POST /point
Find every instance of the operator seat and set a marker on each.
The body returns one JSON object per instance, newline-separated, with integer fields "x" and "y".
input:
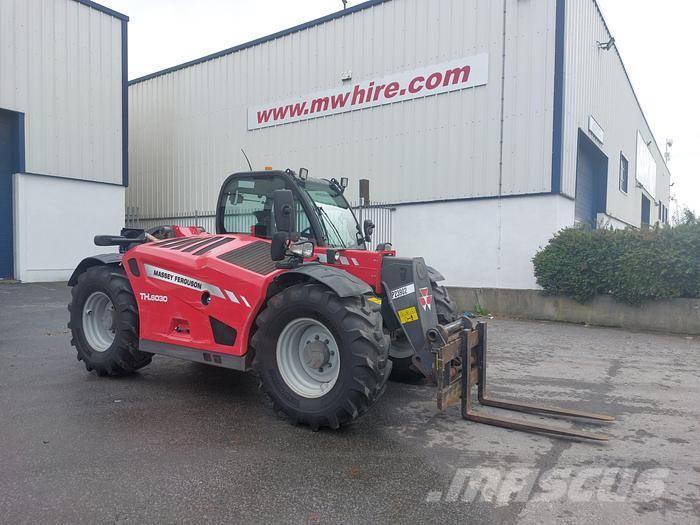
{"x": 264, "y": 222}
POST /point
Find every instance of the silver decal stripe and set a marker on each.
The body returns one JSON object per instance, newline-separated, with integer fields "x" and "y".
{"x": 404, "y": 290}
{"x": 182, "y": 280}
{"x": 237, "y": 298}
{"x": 354, "y": 261}
{"x": 322, "y": 258}
{"x": 232, "y": 296}
{"x": 344, "y": 261}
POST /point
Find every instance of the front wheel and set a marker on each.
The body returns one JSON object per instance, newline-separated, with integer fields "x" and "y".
{"x": 321, "y": 358}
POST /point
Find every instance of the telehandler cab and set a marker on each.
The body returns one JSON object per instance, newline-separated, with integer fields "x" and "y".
{"x": 288, "y": 286}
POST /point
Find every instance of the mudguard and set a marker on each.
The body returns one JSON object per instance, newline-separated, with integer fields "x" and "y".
{"x": 95, "y": 260}
{"x": 340, "y": 281}
{"x": 434, "y": 275}
{"x": 406, "y": 283}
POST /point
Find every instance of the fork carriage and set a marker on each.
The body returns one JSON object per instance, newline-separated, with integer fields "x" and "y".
{"x": 459, "y": 352}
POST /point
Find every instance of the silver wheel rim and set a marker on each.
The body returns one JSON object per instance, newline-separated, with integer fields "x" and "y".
{"x": 98, "y": 321}
{"x": 308, "y": 358}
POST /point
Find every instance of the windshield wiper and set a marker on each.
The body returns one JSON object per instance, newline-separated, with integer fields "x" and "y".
{"x": 335, "y": 230}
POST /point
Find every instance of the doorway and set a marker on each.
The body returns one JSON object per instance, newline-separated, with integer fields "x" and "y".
{"x": 591, "y": 181}
{"x": 11, "y": 161}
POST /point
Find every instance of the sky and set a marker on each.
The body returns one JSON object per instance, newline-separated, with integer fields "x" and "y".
{"x": 654, "y": 37}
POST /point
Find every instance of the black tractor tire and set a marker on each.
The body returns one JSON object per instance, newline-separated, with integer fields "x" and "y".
{"x": 403, "y": 369}
{"x": 122, "y": 357}
{"x": 356, "y": 325}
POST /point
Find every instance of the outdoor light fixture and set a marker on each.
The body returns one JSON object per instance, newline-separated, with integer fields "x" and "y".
{"x": 606, "y": 46}
{"x": 303, "y": 173}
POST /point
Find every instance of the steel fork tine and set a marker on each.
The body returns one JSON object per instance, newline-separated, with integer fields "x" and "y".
{"x": 472, "y": 350}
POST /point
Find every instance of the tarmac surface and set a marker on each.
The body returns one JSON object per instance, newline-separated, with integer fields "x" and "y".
{"x": 182, "y": 442}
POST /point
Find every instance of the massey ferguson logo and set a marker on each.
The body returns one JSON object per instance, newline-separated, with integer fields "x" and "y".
{"x": 425, "y": 299}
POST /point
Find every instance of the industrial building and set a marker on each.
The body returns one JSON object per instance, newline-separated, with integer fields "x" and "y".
{"x": 63, "y": 133}
{"x": 486, "y": 125}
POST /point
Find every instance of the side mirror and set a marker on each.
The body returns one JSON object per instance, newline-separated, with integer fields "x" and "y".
{"x": 368, "y": 228}
{"x": 278, "y": 247}
{"x": 283, "y": 203}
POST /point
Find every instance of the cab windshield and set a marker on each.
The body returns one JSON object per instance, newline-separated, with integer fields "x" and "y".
{"x": 337, "y": 219}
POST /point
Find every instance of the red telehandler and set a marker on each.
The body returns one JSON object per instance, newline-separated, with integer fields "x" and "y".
{"x": 289, "y": 287}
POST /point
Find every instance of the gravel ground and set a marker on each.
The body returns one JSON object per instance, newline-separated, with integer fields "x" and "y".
{"x": 181, "y": 442}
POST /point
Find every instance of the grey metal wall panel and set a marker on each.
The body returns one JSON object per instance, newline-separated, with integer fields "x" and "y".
{"x": 596, "y": 84}
{"x": 61, "y": 65}
{"x": 187, "y": 126}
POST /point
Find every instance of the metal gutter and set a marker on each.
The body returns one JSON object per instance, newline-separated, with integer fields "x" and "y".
{"x": 125, "y": 104}
{"x": 558, "y": 103}
{"x": 103, "y": 9}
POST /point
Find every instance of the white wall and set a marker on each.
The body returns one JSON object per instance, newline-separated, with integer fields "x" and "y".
{"x": 61, "y": 65}
{"x": 482, "y": 243}
{"x": 55, "y": 221}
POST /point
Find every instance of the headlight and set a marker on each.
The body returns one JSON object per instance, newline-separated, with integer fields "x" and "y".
{"x": 302, "y": 249}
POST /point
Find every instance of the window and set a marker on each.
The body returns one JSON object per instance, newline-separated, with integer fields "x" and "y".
{"x": 646, "y": 211}
{"x": 624, "y": 173}
{"x": 337, "y": 219}
{"x": 248, "y": 205}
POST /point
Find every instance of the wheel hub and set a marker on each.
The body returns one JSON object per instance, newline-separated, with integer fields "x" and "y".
{"x": 316, "y": 354}
{"x": 308, "y": 357}
{"x": 99, "y": 319}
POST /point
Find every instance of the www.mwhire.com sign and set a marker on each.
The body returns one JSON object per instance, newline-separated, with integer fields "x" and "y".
{"x": 454, "y": 75}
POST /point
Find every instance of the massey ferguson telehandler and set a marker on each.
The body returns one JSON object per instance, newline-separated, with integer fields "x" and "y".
{"x": 289, "y": 287}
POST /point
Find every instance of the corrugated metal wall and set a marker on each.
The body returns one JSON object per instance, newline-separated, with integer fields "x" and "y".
{"x": 187, "y": 126}
{"x": 596, "y": 85}
{"x": 60, "y": 64}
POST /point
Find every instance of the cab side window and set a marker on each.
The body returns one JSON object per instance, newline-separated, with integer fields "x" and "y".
{"x": 247, "y": 205}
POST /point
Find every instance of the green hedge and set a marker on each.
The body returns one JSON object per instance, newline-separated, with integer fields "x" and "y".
{"x": 631, "y": 265}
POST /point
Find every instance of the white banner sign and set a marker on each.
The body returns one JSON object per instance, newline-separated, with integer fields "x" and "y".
{"x": 646, "y": 166}
{"x": 454, "y": 75}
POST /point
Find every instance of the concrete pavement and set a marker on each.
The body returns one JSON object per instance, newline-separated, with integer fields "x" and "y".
{"x": 181, "y": 442}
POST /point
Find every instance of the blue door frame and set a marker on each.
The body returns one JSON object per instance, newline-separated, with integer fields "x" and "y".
{"x": 11, "y": 161}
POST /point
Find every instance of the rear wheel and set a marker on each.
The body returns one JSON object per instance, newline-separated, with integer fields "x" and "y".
{"x": 104, "y": 322}
{"x": 401, "y": 351}
{"x": 321, "y": 358}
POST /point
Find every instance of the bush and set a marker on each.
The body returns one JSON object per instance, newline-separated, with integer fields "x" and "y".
{"x": 631, "y": 265}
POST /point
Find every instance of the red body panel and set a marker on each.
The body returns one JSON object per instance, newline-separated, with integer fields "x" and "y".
{"x": 171, "y": 283}
{"x": 186, "y": 231}
{"x": 182, "y": 318}
{"x": 363, "y": 264}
